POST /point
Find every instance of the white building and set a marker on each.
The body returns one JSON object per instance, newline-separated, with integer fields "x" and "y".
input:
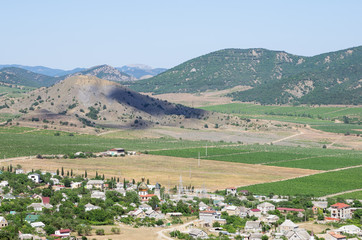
{"x": 90, "y": 207}
{"x": 350, "y": 229}
{"x": 95, "y": 184}
{"x": 265, "y": 207}
{"x": 34, "y": 177}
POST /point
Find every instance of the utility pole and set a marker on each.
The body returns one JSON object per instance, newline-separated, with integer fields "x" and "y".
{"x": 206, "y": 149}
{"x": 198, "y": 161}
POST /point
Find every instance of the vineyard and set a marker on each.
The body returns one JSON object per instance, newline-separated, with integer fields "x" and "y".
{"x": 294, "y": 157}
{"x": 317, "y": 185}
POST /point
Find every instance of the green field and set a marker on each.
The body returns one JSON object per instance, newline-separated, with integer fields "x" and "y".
{"x": 13, "y": 92}
{"x": 321, "y": 118}
{"x": 294, "y": 157}
{"x": 352, "y": 195}
{"x": 318, "y": 185}
{"x": 21, "y": 141}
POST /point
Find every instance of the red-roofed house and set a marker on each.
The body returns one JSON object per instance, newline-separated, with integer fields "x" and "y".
{"x": 330, "y": 219}
{"x": 45, "y": 200}
{"x": 336, "y": 236}
{"x": 62, "y": 233}
{"x": 341, "y": 210}
{"x": 255, "y": 212}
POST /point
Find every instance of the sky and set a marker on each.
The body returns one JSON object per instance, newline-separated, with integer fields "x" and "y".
{"x": 67, "y": 34}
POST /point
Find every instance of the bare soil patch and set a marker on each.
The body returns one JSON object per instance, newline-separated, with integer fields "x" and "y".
{"x": 167, "y": 170}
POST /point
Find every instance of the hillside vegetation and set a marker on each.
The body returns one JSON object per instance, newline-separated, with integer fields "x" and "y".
{"x": 276, "y": 76}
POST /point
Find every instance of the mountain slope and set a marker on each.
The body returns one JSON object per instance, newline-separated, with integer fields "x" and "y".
{"x": 90, "y": 101}
{"x": 53, "y": 72}
{"x": 18, "y": 76}
{"x": 105, "y": 72}
{"x": 141, "y": 71}
{"x": 276, "y": 76}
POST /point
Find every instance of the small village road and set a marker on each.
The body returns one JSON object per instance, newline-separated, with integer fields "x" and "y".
{"x": 340, "y": 193}
{"x": 162, "y": 234}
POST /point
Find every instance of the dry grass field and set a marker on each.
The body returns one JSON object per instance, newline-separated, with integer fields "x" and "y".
{"x": 167, "y": 170}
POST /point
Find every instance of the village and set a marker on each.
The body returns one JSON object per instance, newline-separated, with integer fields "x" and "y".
{"x": 60, "y": 205}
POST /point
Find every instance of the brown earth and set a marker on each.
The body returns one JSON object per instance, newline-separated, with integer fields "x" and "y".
{"x": 167, "y": 170}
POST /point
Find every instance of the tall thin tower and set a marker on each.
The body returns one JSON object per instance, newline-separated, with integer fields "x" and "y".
{"x": 180, "y": 188}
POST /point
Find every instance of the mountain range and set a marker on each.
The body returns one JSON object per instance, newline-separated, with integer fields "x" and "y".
{"x": 135, "y": 71}
{"x": 276, "y": 77}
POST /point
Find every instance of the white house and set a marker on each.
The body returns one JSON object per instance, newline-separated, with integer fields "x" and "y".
{"x": 145, "y": 207}
{"x": 341, "y": 210}
{"x": 298, "y": 234}
{"x": 37, "y": 225}
{"x": 75, "y": 185}
{"x": 287, "y": 226}
{"x": 3, "y": 222}
{"x": 116, "y": 152}
{"x": 19, "y": 171}
{"x": 55, "y": 180}
{"x": 198, "y": 234}
{"x": 231, "y": 190}
{"x": 95, "y": 184}
{"x": 265, "y": 207}
{"x": 34, "y": 177}
{"x": 253, "y": 226}
{"x": 4, "y": 183}
{"x": 90, "y": 207}
{"x": 98, "y": 195}
{"x": 209, "y": 217}
{"x": 63, "y": 233}
{"x": 350, "y": 229}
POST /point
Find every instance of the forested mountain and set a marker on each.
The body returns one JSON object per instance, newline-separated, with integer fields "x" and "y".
{"x": 53, "y": 72}
{"x": 105, "y": 72}
{"x": 276, "y": 76}
{"x": 19, "y": 76}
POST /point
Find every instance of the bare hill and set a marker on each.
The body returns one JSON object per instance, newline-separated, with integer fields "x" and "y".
{"x": 81, "y": 101}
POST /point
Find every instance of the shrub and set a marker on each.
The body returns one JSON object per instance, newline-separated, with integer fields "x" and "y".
{"x": 100, "y": 231}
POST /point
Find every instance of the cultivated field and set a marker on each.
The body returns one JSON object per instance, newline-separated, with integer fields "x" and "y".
{"x": 167, "y": 170}
{"x": 318, "y": 185}
{"x": 321, "y": 118}
{"x": 294, "y": 157}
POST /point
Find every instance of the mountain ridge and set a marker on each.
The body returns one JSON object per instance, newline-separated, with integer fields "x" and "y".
{"x": 300, "y": 78}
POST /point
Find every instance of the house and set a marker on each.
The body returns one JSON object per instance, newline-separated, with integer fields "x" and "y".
{"x": 209, "y": 217}
{"x": 272, "y": 219}
{"x": 203, "y": 206}
{"x": 232, "y": 210}
{"x": 297, "y": 234}
{"x": 98, "y": 195}
{"x": 341, "y": 210}
{"x": 244, "y": 192}
{"x": 19, "y": 171}
{"x": 287, "y": 226}
{"x": 116, "y": 152}
{"x": 350, "y": 229}
{"x": 265, "y": 207}
{"x": 335, "y": 236}
{"x": 90, "y": 207}
{"x": 255, "y": 212}
{"x": 4, "y": 183}
{"x": 62, "y": 233}
{"x": 287, "y": 210}
{"x": 155, "y": 214}
{"x": 30, "y": 218}
{"x": 37, "y": 225}
{"x": 34, "y": 177}
{"x": 253, "y": 226}
{"x": 255, "y": 236}
{"x": 143, "y": 191}
{"x": 9, "y": 196}
{"x": 231, "y": 191}
{"x": 137, "y": 213}
{"x": 55, "y": 180}
{"x": 95, "y": 184}
{"x": 36, "y": 206}
{"x": 75, "y": 185}
{"x": 145, "y": 207}
{"x": 3, "y": 222}
{"x": 45, "y": 200}
{"x": 319, "y": 206}
{"x": 198, "y": 234}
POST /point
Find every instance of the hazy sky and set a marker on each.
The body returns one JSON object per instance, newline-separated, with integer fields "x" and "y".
{"x": 76, "y": 33}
